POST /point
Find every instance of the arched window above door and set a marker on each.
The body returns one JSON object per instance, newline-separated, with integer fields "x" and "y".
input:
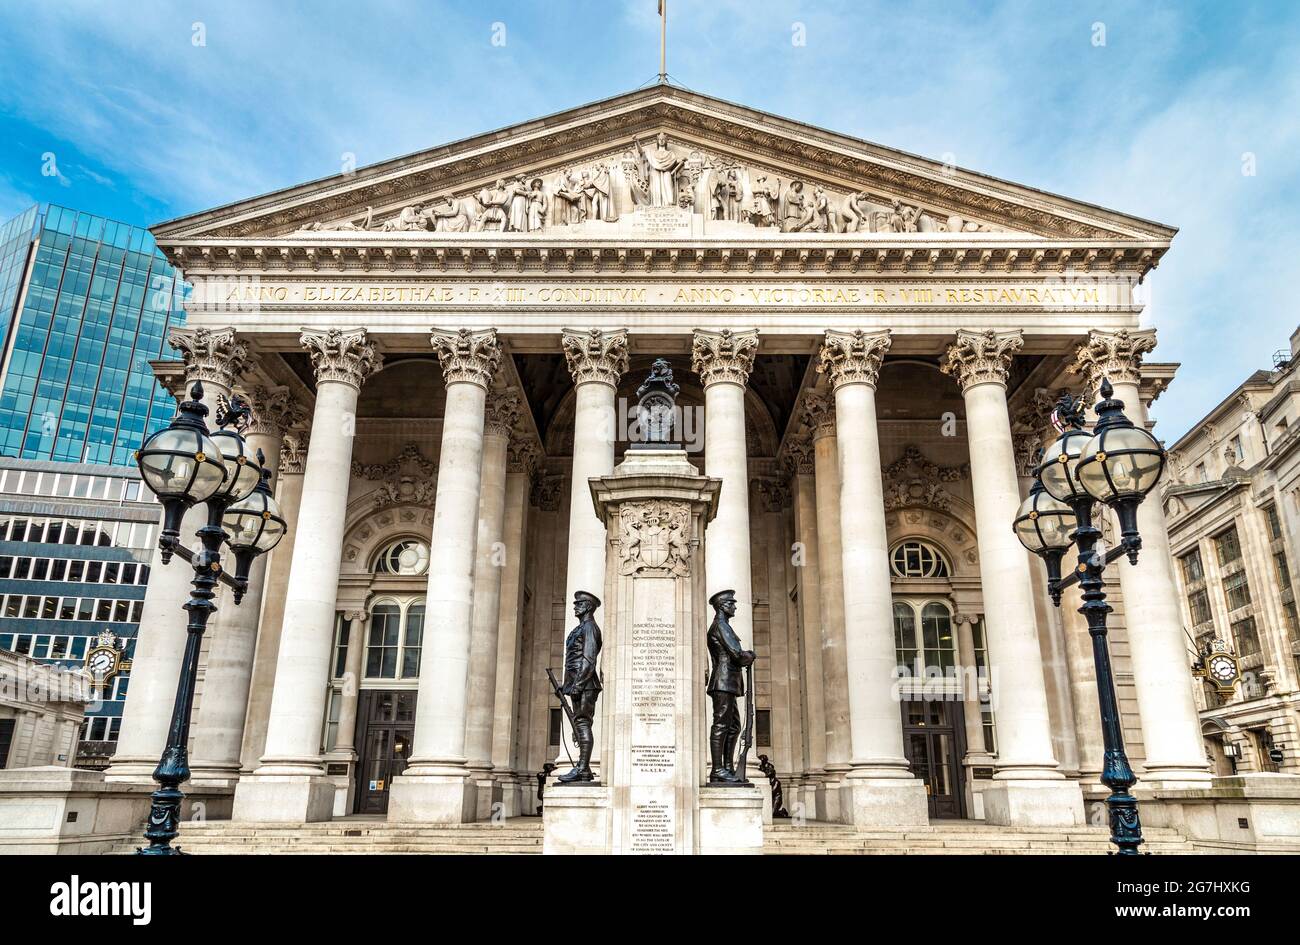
{"x": 918, "y": 559}
{"x": 932, "y": 650}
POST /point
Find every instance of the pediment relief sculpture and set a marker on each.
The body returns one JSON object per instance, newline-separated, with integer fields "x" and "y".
{"x": 613, "y": 191}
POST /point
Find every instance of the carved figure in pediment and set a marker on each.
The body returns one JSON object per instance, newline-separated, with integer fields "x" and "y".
{"x": 599, "y": 199}
{"x": 492, "y": 202}
{"x": 538, "y": 205}
{"x": 824, "y": 220}
{"x": 796, "y": 208}
{"x": 726, "y": 195}
{"x": 855, "y": 217}
{"x": 447, "y": 215}
{"x": 763, "y": 202}
{"x": 659, "y": 167}
{"x": 340, "y": 226}
{"x": 570, "y": 201}
{"x": 517, "y": 205}
{"x": 407, "y": 220}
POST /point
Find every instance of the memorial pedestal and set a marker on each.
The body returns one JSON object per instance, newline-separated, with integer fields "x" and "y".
{"x": 575, "y": 820}
{"x": 731, "y": 820}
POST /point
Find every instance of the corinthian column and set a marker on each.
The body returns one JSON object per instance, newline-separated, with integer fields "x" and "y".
{"x": 216, "y": 357}
{"x": 723, "y": 360}
{"x": 1028, "y": 788}
{"x": 437, "y": 785}
{"x": 219, "y": 726}
{"x": 501, "y": 414}
{"x": 878, "y": 788}
{"x": 596, "y": 359}
{"x": 290, "y": 782}
{"x": 1171, "y": 730}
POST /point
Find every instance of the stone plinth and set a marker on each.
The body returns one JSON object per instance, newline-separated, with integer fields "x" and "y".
{"x": 576, "y": 820}
{"x": 731, "y": 820}
{"x": 1244, "y": 813}
{"x": 655, "y": 506}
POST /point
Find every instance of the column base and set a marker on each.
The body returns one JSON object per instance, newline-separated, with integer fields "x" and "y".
{"x": 131, "y": 771}
{"x": 731, "y": 821}
{"x": 1176, "y": 779}
{"x": 281, "y": 798}
{"x": 217, "y": 776}
{"x": 807, "y": 798}
{"x": 883, "y": 802}
{"x": 490, "y": 798}
{"x": 1054, "y": 803}
{"x": 576, "y": 821}
{"x": 433, "y": 799}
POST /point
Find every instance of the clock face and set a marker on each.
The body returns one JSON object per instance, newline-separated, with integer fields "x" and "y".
{"x": 1222, "y": 669}
{"x": 101, "y": 661}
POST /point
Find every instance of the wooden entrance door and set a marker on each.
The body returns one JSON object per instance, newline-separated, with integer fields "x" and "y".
{"x": 934, "y": 742}
{"x": 387, "y": 726}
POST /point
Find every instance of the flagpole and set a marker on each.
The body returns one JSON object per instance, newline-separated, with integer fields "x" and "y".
{"x": 663, "y": 40}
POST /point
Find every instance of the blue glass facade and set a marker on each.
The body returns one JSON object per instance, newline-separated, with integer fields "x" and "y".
{"x": 79, "y": 331}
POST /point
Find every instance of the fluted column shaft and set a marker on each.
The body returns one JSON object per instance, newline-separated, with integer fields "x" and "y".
{"x": 436, "y": 785}
{"x": 1171, "y": 729}
{"x": 723, "y": 361}
{"x": 810, "y": 611}
{"x": 214, "y": 357}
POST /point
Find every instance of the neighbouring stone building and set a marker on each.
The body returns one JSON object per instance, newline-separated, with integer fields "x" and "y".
{"x": 443, "y": 351}
{"x": 1233, "y": 506}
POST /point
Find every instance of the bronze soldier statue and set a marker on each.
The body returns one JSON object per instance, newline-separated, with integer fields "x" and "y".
{"x": 582, "y": 682}
{"x": 726, "y": 685}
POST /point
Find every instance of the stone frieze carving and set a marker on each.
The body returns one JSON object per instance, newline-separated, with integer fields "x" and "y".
{"x": 913, "y": 480}
{"x": 655, "y": 536}
{"x": 407, "y": 479}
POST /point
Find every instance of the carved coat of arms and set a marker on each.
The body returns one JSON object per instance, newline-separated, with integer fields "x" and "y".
{"x": 654, "y": 536}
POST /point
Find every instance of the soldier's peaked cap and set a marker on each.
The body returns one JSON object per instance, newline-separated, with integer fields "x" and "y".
{"x": 719, "y": 597}
{"x": 587, "y": 596}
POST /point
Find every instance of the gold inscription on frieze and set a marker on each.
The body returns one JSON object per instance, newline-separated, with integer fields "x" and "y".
{"x": 693, "y": 295}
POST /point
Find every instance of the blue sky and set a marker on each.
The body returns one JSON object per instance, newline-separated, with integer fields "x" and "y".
{"x": 145, "y": 124}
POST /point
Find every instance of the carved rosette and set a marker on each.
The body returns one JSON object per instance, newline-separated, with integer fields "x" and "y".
{"x": 724, "y": 357}
{"x": 211, "y": 355}
{"x": 595, "y": 356}
{"x": 853, "y": 357}
{"x": 655, "y": 536}
{"x": 1114, "y": 355}
{"x": 982, "y": 357}
{"x": 293, "y": 454}
{"x": 274, "y": 411}
{"x": 501, "y": 413}
{"x": 467, "y": 357}
{"x": 345, "y": 356}
{"x": 818, "y": 412}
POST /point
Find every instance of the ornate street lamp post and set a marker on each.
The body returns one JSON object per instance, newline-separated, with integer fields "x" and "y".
{"x": 1118, "y": 464}
{"x": 183, "y": 465}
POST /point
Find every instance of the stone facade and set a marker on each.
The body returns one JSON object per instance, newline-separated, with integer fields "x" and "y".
{"x": 1233, "y": 503}
{"x": 865, "y": 344}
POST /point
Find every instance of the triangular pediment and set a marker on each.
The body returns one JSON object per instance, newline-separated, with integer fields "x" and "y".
{"x": 662, "y": 161}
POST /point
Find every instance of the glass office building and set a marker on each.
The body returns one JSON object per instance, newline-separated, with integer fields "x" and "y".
{"x": 87, "y": 303}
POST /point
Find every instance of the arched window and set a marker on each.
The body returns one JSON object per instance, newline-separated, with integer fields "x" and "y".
{"x": 918, "y": 559}
{"x": 407, "y": 556}
{"x": 395, "y": 640}
{"x": 934, "y": 650}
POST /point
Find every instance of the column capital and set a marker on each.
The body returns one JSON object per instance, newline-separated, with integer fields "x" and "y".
{"x": 501, "y": 412}
{"x": 360, "y": 616}
{"x": 818, "y": 412}
{"x": 982, "y": 357}
{"x": 212, "y": 355}
{"x": 723, "y": 357}
{"x": 275, "y": 411}
{"x": 798, "y": 456}
{"x": 346, "y": 356}
{"x": 595, "y": 356}
{"x": 853, "y": 357}
{"x": 293, "y": 454}
{"x": 523, "y": 455}
{"x": 467, "y": 357}
{"x": 1116, "y": 355}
